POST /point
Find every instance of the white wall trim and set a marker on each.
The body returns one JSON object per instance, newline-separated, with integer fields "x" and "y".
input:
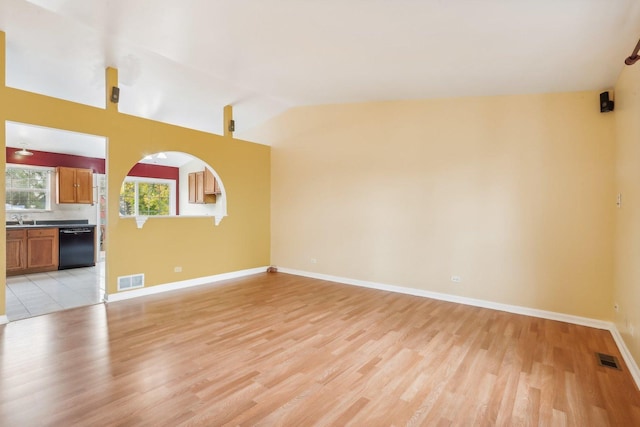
{"x": 626, "y": 355}
{"x": 3, "y": 320}
{"x": 551, "y": 315}
{"x": 183, "y": 284}
{"x": 534, "y": 312}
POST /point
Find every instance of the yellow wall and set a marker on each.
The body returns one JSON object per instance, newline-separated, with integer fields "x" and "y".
{"x": 241, "y": 240}
{"x": 627, "y": 241}
{"x": 513, "y": 194}
{"x": 3, "y": 161}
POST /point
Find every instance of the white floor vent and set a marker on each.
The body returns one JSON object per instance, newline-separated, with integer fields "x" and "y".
{"x": 130, "y": 282}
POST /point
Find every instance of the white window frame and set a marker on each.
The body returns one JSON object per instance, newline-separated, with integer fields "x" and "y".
{"x": 172, "y": 193}
{"x": 49, "y": 189}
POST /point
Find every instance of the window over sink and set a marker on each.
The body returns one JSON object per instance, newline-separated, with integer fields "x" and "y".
{"x": 28, "y": 188}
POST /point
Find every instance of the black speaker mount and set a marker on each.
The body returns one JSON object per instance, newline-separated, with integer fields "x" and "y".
{"x": 606, "y": 105}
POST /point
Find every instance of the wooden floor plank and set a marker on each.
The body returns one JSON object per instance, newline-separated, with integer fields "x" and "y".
{"x": 277, "y": 349}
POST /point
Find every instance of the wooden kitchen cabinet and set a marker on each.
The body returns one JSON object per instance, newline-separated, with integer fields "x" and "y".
{"x": 75, "y": 185}
{"x": 32, "y": 250}
{"x": 210, "y": 183}
{"x": 42, "y": 249}
{"x": 192, "y": 187}
{"x": 199, "y": 187}
{"x": 16, "y": 251}
{"x": 203, "y": 187}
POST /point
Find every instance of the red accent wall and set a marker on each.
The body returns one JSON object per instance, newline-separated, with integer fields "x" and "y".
{"x": 45, "y": 158}
{"x": 154, "y": 171}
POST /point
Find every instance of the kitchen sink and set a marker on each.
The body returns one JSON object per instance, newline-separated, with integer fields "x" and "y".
{"x": 14, "y": 224}
{"x": 25, "y": 224}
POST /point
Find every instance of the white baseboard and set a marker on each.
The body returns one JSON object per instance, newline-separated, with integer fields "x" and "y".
{"x": 135, "y": 293}
{"x": 626, "y": 355}
{"x": 534, "y": 312}
{"x": 584, "y": 321}
{"x": 3, "y": 320}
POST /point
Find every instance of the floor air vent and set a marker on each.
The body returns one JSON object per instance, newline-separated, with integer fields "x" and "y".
{"x": 608, "y": 361}
{"x": 130, "y": 282}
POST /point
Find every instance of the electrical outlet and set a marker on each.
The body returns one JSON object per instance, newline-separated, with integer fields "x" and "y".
{"x": 177, "y": 269}
{"x": 616, "y": 307}
{"x": 456, "y": 279}
{"x": 632, "y": 330}
{"x": 314, "y": 261}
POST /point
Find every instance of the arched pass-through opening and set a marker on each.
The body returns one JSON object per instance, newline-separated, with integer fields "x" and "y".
{"x": 172, "y": 183}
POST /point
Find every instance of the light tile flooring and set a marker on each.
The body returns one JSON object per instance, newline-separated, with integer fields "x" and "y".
{"x": 35, "y": 294}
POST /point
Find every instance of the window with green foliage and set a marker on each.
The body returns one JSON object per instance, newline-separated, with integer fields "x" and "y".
{"x": 147, "y": 196}
{"x": 28, "y": 188}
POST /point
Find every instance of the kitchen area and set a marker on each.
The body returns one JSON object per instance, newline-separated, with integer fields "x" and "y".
{"x": 55, "y": 221}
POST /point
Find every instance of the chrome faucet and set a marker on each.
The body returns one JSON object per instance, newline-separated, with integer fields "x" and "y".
{"x": 18, "y": 217}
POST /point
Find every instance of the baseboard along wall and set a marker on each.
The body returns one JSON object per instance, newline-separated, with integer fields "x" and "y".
{"x": 183, "y": 284}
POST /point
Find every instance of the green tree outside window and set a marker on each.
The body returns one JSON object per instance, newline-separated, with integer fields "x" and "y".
{"x": 27, "y": 188}
{"x": 145, "y": 198}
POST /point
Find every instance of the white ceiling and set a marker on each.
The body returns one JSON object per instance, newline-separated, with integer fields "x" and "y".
{"x": 19, "y": 135}
{"x": 181, "y": 61}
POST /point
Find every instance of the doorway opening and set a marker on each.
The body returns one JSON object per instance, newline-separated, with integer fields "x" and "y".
{"x": 36, "y": 281}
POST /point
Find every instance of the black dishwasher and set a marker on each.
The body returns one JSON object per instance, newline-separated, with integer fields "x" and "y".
{"x": 76, "y": 247}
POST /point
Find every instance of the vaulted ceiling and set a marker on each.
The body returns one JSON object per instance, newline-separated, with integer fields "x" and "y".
{"x": 181, "y": 61}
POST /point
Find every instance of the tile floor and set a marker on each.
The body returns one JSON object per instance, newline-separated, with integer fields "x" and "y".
{"x": 35, "y": 294}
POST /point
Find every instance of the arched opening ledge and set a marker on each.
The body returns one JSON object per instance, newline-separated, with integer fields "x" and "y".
{"x": 142, "y": 219}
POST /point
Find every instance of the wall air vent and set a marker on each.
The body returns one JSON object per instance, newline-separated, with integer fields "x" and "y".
{"x": 608, "y": 361}
{"x": 134, "y": 281}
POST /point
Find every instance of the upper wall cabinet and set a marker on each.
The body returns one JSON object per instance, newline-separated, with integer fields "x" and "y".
{"x": 203, "y": 187}
{"x": 74, "y": 185}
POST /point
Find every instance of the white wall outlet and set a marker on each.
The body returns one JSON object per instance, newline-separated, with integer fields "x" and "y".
{"x": 456, "y": 279}
{"x": 616, "y": 307}
{"x": 314, "y": 261}
{"x": 177, "y": 269}
{"x": 632, "y": 330}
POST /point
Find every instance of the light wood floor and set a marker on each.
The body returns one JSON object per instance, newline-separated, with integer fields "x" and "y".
{"x": 276, "y": 349}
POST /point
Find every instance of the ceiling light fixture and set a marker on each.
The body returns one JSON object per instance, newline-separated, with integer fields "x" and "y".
{"x": 23, "y": 151}
{"x": 634, "y": 56}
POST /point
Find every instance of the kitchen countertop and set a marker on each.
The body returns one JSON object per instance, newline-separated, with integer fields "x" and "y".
{"x": 18, "y": 226}
{"x": 12, "y": 225}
